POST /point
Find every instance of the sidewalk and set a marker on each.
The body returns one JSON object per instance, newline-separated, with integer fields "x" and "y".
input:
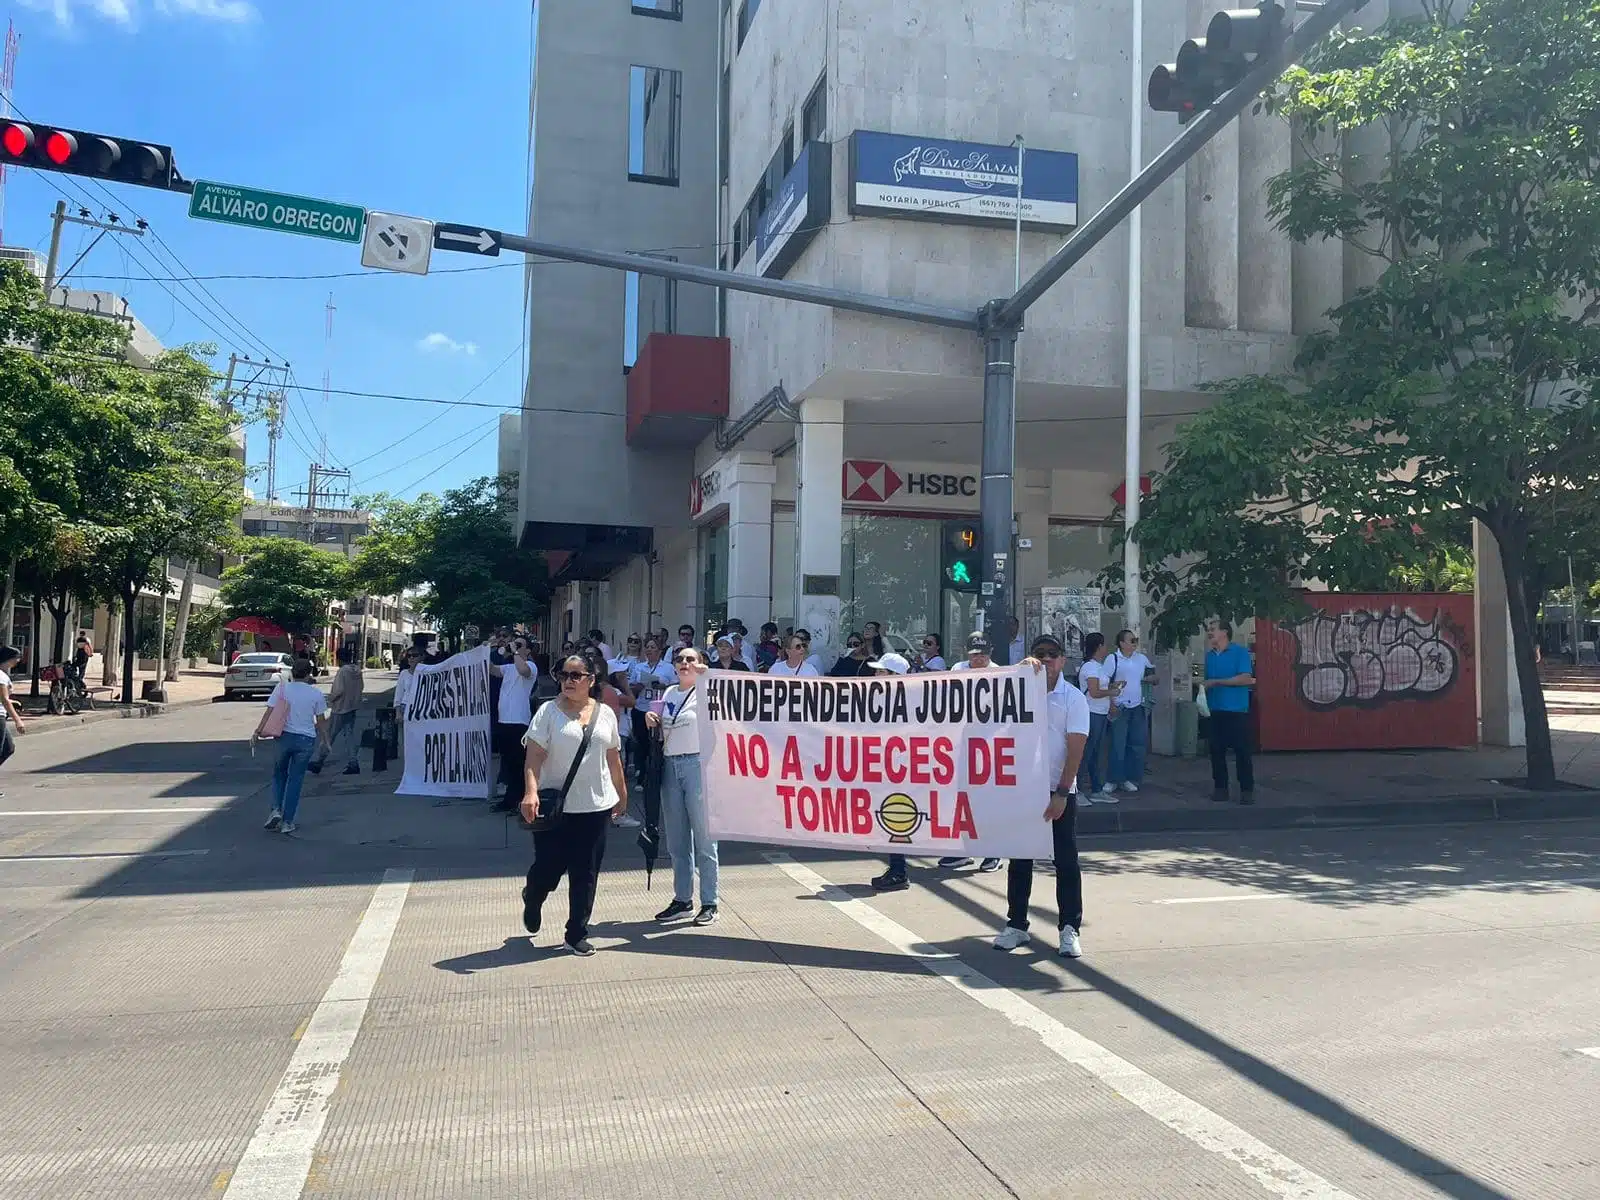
{"x": 203, "y": 685}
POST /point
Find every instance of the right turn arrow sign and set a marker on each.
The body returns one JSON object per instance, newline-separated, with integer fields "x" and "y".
{"x": 469, "y": 239}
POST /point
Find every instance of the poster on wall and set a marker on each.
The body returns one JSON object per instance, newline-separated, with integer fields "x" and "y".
{"x": 947, "y": 763}
{"x": 1066, "y": 614}
{"x": 447, "y": 749}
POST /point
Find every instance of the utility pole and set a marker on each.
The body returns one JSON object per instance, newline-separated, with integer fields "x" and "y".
{"x": 1133, "y": 450}
{"x": 59, "y": 218}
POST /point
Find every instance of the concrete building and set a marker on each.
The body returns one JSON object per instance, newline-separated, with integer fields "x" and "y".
{"x": 765, "y": 458}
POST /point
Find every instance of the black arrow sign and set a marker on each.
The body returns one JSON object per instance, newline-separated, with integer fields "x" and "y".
{"x": 469, "y": 239}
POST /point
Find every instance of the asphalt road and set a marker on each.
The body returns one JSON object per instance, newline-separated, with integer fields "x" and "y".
{"x": 190, "y": 1007}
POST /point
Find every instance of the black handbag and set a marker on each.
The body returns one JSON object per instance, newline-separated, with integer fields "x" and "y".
{"x": 553, "y": 801}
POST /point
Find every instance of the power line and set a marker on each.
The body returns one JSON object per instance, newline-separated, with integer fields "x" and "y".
{"x": 484, "y": 432}
{"x": 476, "y": 430}
{"x": 435, "y": 420}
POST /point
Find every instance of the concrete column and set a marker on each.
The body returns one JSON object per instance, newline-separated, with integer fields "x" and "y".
{"x": 1266, "y": 297}
{"x": 819, "y": 516}
{"x": 1499, "y": 700}
{"x": 1211, "y": 218}
{"x": 1174, "y": 684}
{"x": 750, "y": 538}
{"x": 1366, "y": 154}
{"x": 1318, "y": 273}
{"x": 1032, "y": 500}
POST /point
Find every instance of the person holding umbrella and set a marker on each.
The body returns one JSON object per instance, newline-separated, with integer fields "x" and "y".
{"x": 682, "y": 798}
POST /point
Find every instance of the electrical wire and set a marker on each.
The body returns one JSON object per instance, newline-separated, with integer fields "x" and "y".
{"x": 441, "y": 416}
{"x": 476, "y": 430}
{"x": 485, "y": 432}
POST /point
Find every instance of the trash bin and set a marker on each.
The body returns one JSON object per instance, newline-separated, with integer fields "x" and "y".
{"x": 1187, "y": 722}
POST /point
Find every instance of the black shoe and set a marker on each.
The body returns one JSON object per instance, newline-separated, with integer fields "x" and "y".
{"x": 674, "y": 910}
{"x": 951, "y": 862}
{"x": 989, "y": 864}
{"x": 1219, "y": 796}
{"x": 503, "y": 806}
{"x": 890, "y": 881}
{"x": 352, "y": 769}
{"x": 1247, "y": 797}
{"x": 583, "y": 948}
{"x": 315, "y": 768}
{"x": 531, "y": 917}
{"x": 707, "y": 915}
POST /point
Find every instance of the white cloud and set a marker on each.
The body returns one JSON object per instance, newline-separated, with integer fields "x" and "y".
{"x": 443, "y": 343}
{"x": 126, "y": 12}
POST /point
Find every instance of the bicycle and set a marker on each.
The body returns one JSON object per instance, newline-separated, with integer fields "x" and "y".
{"x": 67, "y": 691}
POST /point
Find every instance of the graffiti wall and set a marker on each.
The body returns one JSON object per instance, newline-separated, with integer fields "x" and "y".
{"x": 1366, "y": 672}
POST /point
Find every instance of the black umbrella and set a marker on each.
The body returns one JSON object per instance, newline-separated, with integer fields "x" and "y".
{"x": 650, "y": 834}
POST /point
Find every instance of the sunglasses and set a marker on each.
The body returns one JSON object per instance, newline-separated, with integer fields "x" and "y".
{"x": 852, "y": 645}
{"x": 929, "y": 642}
{"x": 574, "y": 676}
{"x": 681, "y": 663}
{"x": 633, "y": 641}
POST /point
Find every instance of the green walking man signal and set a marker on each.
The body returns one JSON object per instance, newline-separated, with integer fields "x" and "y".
{"x": 962, "y": 550}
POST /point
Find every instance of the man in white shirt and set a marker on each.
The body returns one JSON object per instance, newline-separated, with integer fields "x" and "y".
{"x": 1069, "y": 730}
{"x": 978, "y": 659}
{"x": 513, "y": 713}
{"x": 1130, "y": 731}
{"x": 795, "y": 661}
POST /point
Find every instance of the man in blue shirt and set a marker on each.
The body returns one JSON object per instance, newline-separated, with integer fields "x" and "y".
{"x": 1229, "y": 678}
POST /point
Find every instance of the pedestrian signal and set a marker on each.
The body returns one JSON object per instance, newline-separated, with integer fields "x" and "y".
{"x": 963, "y": 547}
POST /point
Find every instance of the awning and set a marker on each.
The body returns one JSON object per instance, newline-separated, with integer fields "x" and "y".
{"x": 259, "y": 626}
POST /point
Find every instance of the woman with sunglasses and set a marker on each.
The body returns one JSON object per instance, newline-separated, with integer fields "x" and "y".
{"x": 576, "y": 843}
{"x": 856, "y": 659}
{"x": 794, "y": 660}
{"x": 932, "y": 652}
{"x": 683, "y": 805}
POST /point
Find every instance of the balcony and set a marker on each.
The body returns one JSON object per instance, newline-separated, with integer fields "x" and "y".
{"x": 677, "y": 390}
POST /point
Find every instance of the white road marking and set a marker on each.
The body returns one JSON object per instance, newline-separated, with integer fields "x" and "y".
{"x": 98, "y": 812}
{"x": 15, "y": 858}
{"x": 1277, "y": 1174}
{"x": 1355, "y": 892}
{"x": 1592, "y": 1051}
{"x": 278, "y": 1158}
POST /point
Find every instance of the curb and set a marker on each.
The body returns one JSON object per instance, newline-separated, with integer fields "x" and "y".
{"x": 1236, "y": 818}
{"x": 116, "y": 712}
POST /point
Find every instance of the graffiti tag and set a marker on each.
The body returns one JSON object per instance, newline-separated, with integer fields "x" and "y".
{"x": 1370, "y": 658}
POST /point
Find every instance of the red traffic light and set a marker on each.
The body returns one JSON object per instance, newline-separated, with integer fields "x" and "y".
{"x": 60, "y": 147}
{"x": 17, "y": 140}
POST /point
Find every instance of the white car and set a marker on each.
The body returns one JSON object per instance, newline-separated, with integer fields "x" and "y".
{"x": 255, "y": 674}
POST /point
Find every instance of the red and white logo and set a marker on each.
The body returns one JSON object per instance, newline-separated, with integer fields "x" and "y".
{"x": 870, "y": 482}
{"x": 697, "y": 497}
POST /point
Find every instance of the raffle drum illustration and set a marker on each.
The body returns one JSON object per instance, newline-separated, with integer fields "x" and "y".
{"x": 1370, "y": 658}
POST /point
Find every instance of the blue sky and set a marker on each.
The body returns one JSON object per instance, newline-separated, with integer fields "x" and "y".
{"x": 403, "y": 106}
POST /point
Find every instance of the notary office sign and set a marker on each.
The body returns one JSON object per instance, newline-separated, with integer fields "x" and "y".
{"x": 933, "y": 179}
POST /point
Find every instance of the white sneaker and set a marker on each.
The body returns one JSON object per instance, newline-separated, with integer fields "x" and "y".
{"x": 1108, "y": 798}
{"x": 1071, "y": 946}
{"x": 626, "y": 821}
{"x": 1107, "y": 789}
{"x": 1130, "y": 787}
{"x": 288, "y": 827}
{"x": 1011, "y": 937}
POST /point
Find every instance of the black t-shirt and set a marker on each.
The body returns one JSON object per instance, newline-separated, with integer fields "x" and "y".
{"x": 848, "y": 667}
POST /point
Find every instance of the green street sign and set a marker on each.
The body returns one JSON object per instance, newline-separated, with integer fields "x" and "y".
{"x": 273, "y": 210}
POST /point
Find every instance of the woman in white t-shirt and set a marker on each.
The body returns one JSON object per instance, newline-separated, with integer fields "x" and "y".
{"x": 1095, "y": 681}
{"x": 514, "y": 709}
{"x": 9, "y": 714}
{"x": 794, "y": 661}
{"x": 575, "y": 845}
{"x": 305, "y": 726}
{"x": 683, "y": 805}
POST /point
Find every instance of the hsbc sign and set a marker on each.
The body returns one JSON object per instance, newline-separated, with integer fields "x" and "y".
{"x": 934, "y": 487}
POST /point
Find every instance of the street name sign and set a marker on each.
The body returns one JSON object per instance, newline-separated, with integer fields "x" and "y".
{"x": 397, "y": 243}
{"x": 469, "y": 239}
{"x": 273, "y": 210}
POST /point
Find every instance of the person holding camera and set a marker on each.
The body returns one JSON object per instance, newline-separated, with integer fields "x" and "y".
{"x": 572, "y": 787}
{"x": 513, "y": 712}
{"x": 683, "y": 804}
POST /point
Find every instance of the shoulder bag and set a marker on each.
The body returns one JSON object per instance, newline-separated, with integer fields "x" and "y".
{"x": 553, "y": 801}
{"x": 277, "y": 718}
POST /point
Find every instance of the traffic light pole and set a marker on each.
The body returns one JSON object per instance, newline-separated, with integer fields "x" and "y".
{"x": 996, "y": 489}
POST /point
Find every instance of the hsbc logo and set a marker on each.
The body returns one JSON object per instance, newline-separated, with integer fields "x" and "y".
{"x": 867, "y": 482}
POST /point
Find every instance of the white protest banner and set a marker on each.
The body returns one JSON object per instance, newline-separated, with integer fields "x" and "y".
{"x": 949, "y": 763}
{"x": 447, "y": 729}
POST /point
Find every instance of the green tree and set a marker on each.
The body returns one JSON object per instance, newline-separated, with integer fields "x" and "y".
{"x": 286, "y": 581}
{"x": 460, "y": 550}
{"x": 1460, "y": 383}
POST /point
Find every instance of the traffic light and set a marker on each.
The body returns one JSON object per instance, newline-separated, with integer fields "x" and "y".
{"x": 74, "y": 152}
{"x": 962, "y": 556}
{"x": 1210, "y": 66}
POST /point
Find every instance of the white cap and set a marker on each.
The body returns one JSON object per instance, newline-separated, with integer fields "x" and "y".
{"x": 893, "y": 663}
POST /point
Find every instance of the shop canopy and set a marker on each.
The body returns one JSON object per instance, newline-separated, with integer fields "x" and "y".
{"x": 259, "y": 626}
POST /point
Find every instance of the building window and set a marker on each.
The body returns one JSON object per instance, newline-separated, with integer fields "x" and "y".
{"x": 747, "y": 14}
{"x": 651, "y": 307}
{"x": 725, "y": 106}
{"x": 672, "y": 10}
{"x": 814, "y": 117}
{"x": 654, "y": 99}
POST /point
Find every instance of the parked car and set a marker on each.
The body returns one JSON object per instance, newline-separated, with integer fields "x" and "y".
{"x": 255, "y": 674}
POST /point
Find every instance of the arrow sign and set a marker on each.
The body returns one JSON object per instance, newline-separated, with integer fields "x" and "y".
{"x": 469, "y": 239}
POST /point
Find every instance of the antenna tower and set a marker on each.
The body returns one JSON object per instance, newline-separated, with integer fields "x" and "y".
{"x": 8, "y": 81}
{"x": 327, "y": 375}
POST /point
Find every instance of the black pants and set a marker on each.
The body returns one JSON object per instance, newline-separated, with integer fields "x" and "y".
{"x": 1231, "y": 731}
{"x": 508, "y": 741}
{"x": 573, "y": 848}
{"x": 1069, "y": 879}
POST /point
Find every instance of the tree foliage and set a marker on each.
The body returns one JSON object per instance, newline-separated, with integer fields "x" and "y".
{"x": 1460, "y": 383}
{"x": 285, "y": 581}
{"x": 460, "y": 552}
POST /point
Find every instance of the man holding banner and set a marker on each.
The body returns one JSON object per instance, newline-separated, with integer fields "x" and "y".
{"x": 448, "y": 746}
{"x": 1069, "y": 732}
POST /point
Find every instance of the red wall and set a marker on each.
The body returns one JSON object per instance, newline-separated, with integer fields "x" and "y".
{"x": 1369, "y": 672}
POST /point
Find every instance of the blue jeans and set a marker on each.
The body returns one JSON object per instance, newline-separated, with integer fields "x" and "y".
{"x": 1091, "y": 775}
{"x": 683, "y": 809}
{"x": 897, "y": 864}
{"x": 1130, "y": 737}
{"x": 289, "y": 772}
